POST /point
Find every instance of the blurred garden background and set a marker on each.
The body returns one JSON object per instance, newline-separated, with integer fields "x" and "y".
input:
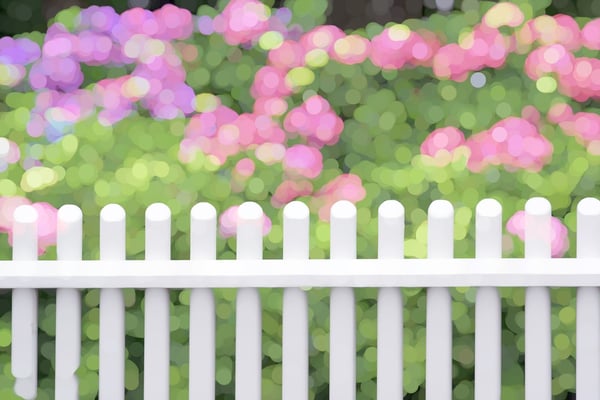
{"x": 18, "y": 16}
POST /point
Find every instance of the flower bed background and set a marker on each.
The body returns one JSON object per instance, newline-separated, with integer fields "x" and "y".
{"x": 247, "y": 103}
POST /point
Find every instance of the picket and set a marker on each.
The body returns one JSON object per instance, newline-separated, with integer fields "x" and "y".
{"x": 295, "y": 306}
{"x": 248, "y": 313}
{"x": 156, "y": 307}
{"x": 24, "y": 319}
{"x": 342, "y": 273}
{"x": 488, "y": 311}
{"x": 111, "y": 373}
{"x": 438, "y": 363}
{"x": 390, "y": 318}
{"x": 203, "y": 246}
{"x": 588, "y": 304}
{"x": 69, "y": 243}
{"x": 538, "y": 356}
{"x": 342, "y": 313}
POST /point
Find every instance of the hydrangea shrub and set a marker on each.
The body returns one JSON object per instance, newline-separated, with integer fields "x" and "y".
{"x": 253, "y": 103}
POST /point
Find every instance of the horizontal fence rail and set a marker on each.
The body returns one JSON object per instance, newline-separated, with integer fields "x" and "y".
{"x": 506, "y": 272}
{"x": 342, "y": 272}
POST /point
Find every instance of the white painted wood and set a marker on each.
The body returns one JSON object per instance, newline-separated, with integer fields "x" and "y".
{"x": 488, "y": 311}
{"x": 248, "y": 322}
{"x": 438, "y": 366}
{"x": 505, "y": 272}
{"x": 69, "y": 241}
{"x": 203, "y": 246}
{"x": 156, "y": 307}
{"x": 538, "y": 356}
{"x": 390, "y": 318}
{"x": 295, "y": 306}
{"x": 342, "y": 329}
{"x": 588, "y": 304}
{"x": 25, "y": 307}
{"x": 342, "y": 272}
{"x": 111, "y": 375}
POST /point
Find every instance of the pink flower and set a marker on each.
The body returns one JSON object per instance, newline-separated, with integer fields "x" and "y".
{"x": 343, "y": 187}
{"x": 303, "y": 161}
{"x": 559, "y": 112}
{"x": 558, "y": 231}
{"x": 173, "y": 23}
{"x": 290, "y": 54}
{"x": 290, "y": 190}
{"x": 8, "y": 205}
{"x": 228, "y": 222}
{"x": 513, "y": 142}
{"x": 270, "y": 106}
{"x": 242, "y": 21}
{"x": 352, "y": 49}
{"x": 590, "y": 34}
{"x": 447, "y": 138}
{"x": 393, "y": 47}
{"x": 270, "y": 82}
{"x": 483, "y": 47}
{"x": 47, "y": 215}
{"x": 315, "y": 120}
{"x": 585, "y": 127}
{"x": 321, "y": 37}
{"x": 244, "y": 167}
{"x": 556, "y": 29}
{"x": 547, "y": 59}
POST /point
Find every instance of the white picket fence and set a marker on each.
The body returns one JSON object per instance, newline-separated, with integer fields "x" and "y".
{"x": 342, "y": 272}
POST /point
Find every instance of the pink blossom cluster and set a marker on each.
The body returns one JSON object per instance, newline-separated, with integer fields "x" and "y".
{"x": 513, "y": 142}
{"x": 289, "y": 54}
{"x": 398, "y": 45}
{"x": 240, "y": 174}
{"x": 549, "y": 30}
{"x": 269, "y": 89}
{"x": 343, "y": 187}
{"x": 303, "y": 161}
{"x": 446, "y": 139}
{"x": 167, "y": 23}
{"x": 158, "y": 83}
{"x": 590, "y": 34}
{"x": 559, "y": 234}
{"x": 549, "y": 59}
{"x": 46, "y": 220}
{"x": 316, "y": 121}
{"x": 584, "y": 126}
{"x": 578, "y": 77}
{"x": 583, "y": 83}
{"x": 270, "y": 82}
{"x": 559, "y": 36}
{"x": 242, "y": 21}
{"x": 289, "y": 190}
{"x": 222, "y": 133}
{"x": 228, "y": 222}
{"x": 483, "y": 47}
